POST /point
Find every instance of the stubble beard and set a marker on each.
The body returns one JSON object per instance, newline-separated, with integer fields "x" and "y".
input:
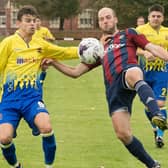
{"x": 109, "y": 31}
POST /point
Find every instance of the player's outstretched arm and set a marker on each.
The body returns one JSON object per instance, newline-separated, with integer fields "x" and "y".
{"x": 157, "y": 50}
{"x": 148, "y": 55}
{"x": 73, "y": 72}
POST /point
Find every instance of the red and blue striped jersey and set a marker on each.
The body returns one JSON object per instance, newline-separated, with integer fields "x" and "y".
{"x": 120, "y": 53}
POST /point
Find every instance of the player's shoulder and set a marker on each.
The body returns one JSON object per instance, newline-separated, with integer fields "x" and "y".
{"x": 44, "y": 28}
{"x": 130, "y": 31}
{"x": 164, "y": 28}
{"x": 143, "y": 27}
{"x": 9, "y": 38}
{"x": 40, "y": 41}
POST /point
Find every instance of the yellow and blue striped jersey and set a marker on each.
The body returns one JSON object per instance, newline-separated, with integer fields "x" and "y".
{"x": 44, "y": 33}
{"x": 20, "y": 65}
{"x": 156, "y": 37}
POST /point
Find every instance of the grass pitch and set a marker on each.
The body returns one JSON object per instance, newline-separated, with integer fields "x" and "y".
{"x": 85, "y": 137}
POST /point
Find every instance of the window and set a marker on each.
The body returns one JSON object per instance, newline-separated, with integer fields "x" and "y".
{"x": 13, "y": 17}
{"x": 2, "y": 21}
{"x": 54, "y": 23}
{"x": 86, "y": 19}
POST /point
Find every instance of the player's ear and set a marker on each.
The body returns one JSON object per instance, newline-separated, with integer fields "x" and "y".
{"x": 18, "y": 23}
{"x": 162, "y": 18}
{"x": 116, "y": 20}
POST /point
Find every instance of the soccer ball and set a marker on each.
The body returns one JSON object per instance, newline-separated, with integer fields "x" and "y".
{"x": 90, "y": 50}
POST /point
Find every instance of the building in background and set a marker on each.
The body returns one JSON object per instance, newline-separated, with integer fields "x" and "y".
{"x": 84, "y": 21}
{"x": 2, "y": 17}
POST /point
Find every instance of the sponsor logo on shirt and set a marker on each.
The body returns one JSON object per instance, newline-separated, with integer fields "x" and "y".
{"x": 21, "y": 60}
{"x": 115, "y": 46}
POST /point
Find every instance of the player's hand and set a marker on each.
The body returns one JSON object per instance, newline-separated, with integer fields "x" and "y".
{"x": 105, "y": 39}
{"x": 45, "y": 63}
{"x": 149, "y": 56}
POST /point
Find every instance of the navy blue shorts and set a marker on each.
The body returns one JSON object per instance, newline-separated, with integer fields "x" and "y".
{"x": 13, "y": 111}
{"x": 119, "y": 97}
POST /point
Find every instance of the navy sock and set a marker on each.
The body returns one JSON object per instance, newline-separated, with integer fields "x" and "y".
{"x": 137, "y": 149}
{"x": 9, "y": 153}
{"x": 147, "y": 97}
{"x": 148, "y": 114}
{"x": 49, "y": 147}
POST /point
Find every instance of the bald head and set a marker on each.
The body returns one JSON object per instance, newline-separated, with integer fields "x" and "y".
{"x": 107, "y": 20}
{"x": 106, "y": 10}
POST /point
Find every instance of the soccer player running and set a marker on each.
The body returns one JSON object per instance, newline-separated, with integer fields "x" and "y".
{"x": 42, "y": 31}
{"x": 21, "y": 87}
{"x": 123, "y": 78}
{"x": 155, "y": 71}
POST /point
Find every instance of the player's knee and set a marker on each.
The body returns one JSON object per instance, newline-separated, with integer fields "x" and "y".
{"x": 5, "y": 139}
{"x": 135, "y": 70}
{"x": 45, "y": 129}
{"x": 124, "y": 136}
{"x": 161, "y": 104}
{"x": 6, "y": 133}
{"x": 133, "y": 75}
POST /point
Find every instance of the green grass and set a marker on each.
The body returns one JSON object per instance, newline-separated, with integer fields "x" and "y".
{"x": 67, "y": 43}
{"x": 84, "y": 132}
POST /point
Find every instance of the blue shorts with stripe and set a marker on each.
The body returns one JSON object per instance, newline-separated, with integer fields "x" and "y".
{"x": 158, "y": 81}
{"x": 13, "y": 111}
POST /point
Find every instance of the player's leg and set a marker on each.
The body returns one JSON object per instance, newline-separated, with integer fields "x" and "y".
{"x": 154, "y": 127}
{"x": 8, "y": 125}
{"x": 42, "y": 121}
{"x": 38, "y": 119}
{"x": 134, "y": 79}
{"x": 121, "y": 124}
{"x": 7, "y": 146}
{"x": 160, "y": 91}
{"x": 160, "y": 133}
{"x": 120, "y": 102}
{"x": 158, "y": 81}
{"x": 149, "y": 79}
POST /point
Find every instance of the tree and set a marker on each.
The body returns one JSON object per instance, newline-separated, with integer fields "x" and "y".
{"x": 148, "y": 3}
{"x": 50, "y": 9}
{"x": 128, "y": 10}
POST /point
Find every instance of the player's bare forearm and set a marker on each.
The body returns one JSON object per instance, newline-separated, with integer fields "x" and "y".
{"x": 105, "y": 39}
{"x": 73, "y": 72}
{"x": 157, "y": 50}
{"x": 148, "y": 55}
